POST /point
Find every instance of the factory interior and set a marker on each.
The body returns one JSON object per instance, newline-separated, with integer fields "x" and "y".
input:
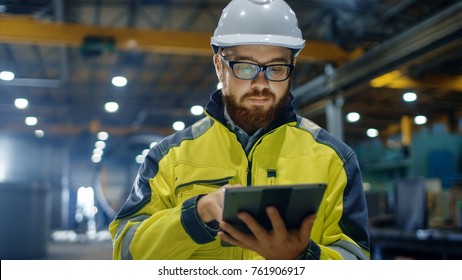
{"x": 87, "y": 87}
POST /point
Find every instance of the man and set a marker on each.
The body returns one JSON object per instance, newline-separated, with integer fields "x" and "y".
{"x": 250, "y": 137}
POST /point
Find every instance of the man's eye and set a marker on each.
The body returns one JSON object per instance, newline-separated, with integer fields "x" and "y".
{"x": 246, "y": 69}
{"x": 276, "y": 69}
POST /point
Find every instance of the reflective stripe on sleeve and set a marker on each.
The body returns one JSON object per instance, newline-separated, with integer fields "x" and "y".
{"x": 127, "y": 237}
{"x": 348, "y": 250}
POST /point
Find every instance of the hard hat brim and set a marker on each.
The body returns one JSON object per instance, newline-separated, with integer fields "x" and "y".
{"x": 257, "y": 39}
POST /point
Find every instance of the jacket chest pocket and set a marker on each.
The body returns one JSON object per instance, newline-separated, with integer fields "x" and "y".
{"x": 295, "y": 170}
{"x": 192, "y": 180}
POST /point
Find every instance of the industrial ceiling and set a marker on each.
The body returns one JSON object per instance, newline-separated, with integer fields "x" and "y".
{"x": 361, "y": 56}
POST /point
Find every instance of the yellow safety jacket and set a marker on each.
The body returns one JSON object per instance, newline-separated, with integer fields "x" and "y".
{"x": 159, "y": 219}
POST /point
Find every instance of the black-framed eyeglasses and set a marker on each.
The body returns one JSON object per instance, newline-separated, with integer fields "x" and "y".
{"x": 249, "y": 71}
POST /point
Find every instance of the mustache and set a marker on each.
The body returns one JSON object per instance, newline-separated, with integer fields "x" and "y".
{"x": 256, "y": 93}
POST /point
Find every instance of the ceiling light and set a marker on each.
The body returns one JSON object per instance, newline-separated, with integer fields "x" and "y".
{"x": 103, "y": 135}
{"x": 152, "y": 144}
{"x": 139, "y": 159}
{"x": 96, "y": 158}
{"x": 100, "y": 144}
{"x": 111, "y": 107}
{"x": 409, "y": 97}
{"x": 178, "y": 126}
{"x": 197, "y": 110}
{"x": 98, "y": 151}
{"x": 21, "y": 103}
{"x": 31, "y": 121}
{"x": 372, "y": 132}
{"x": 353, "y": 117}
{"x": 6, "y": 75}
{"x": 419, "y": 120}
{"x": 119, "y": 81}
{"x": 39, "y": 133}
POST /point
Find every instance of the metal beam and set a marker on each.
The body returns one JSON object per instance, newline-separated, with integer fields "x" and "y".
{"x": 27, "y": 30}
{"x": 435, "y": 32}
{"x": 334, "y": 117}
{"x": 395, "y": 80}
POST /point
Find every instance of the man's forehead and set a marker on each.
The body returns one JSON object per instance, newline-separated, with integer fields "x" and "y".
{"x": 258, "y": 51}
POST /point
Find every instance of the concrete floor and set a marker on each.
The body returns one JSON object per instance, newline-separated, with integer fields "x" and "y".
{"x": 85, "y": 250}
{"x": 61, "y": 245}
{"x": 66, "y": 245}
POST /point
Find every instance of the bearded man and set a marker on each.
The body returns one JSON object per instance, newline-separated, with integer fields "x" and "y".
{"x": 251, "y": 136}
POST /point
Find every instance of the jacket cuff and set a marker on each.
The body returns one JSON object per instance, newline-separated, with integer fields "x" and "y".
{"x": 312, "y": 252}
{"x": 199, "y": 232}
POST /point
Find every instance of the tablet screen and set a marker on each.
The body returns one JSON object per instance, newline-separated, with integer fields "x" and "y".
{"x": 294, "y": 203}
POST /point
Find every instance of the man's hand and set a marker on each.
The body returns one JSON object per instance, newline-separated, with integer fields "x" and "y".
{"x": 278, "y": 243}
{"x": 210, "y": 206}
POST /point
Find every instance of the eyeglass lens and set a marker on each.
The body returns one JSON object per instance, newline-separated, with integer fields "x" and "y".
{"x": 250, "y": 71}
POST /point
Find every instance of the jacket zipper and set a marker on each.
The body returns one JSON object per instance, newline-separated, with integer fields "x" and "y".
{"x": 249, "y": 167}
{"x": 249, "y": 174}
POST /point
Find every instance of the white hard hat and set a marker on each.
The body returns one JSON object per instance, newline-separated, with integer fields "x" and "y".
{"x": 260, "y": 22}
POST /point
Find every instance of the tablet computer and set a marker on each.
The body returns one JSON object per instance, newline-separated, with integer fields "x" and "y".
{"x": 294, "y": 203}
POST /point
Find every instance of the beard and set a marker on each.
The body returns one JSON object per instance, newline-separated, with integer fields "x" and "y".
{"x": 253, "y": 118}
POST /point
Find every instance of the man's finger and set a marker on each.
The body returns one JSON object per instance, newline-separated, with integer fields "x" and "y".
{"x": 276, "y": 220}
{"x": 234, "y": 233}
{"x": 307, "y": 226}
{"x": 257, "y": 230}
{"x": 227, "y": 238}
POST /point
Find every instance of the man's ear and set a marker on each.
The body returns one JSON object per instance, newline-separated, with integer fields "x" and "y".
{"x": 218, "y": 66}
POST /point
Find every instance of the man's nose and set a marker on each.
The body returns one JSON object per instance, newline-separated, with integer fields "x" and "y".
{"x": 260, "y": 82}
